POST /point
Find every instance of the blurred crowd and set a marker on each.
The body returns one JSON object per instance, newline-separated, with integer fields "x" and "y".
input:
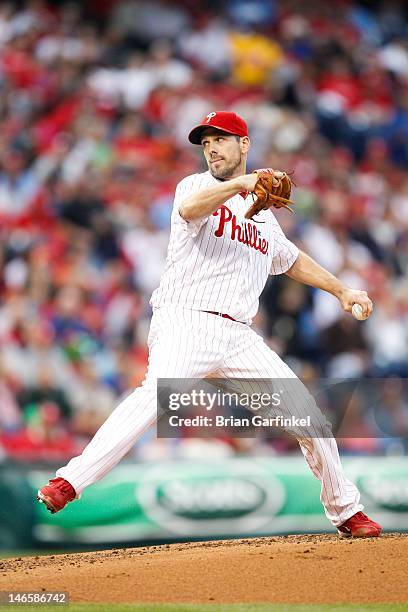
{"x": 96, "y": 100}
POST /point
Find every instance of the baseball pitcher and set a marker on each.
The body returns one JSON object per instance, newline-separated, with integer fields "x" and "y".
{"x": 224, "y": 242}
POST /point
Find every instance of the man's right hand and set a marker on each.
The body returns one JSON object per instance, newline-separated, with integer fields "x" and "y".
{"x": 247, "y": 182}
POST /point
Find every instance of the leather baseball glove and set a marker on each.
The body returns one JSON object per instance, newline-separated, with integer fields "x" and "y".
{"x": 271, "y": 190}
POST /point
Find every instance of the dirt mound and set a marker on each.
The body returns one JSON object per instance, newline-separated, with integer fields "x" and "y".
{"x": 293, "y": 569}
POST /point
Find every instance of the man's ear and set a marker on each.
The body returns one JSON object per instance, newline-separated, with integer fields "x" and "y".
{"x": 245, "y": 144}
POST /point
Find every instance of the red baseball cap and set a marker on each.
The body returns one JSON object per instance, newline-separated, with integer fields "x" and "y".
{"x": 221, "y": 120}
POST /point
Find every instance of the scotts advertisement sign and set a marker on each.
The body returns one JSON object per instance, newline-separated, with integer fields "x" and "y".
{"x": 177, "y": 500}
{"x": 197, "y": 500}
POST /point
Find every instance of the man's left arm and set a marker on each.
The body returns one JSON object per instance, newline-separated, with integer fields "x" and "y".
{"x": 306, "y": 270}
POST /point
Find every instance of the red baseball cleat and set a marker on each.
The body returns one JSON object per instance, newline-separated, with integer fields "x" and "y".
{"x": 359, "y": 526}
{"x": 56, "y": 494}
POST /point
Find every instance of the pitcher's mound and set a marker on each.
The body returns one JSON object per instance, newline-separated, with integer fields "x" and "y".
{"x": 293, "y": 569}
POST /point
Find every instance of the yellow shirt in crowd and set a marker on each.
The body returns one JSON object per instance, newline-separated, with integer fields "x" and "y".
{"x": 254, "y": 57}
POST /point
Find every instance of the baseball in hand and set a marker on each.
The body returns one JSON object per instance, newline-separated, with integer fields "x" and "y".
{"x": 357, "y": 312}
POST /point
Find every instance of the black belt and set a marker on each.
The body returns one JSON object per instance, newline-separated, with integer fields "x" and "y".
{"x": 225, "y": 316}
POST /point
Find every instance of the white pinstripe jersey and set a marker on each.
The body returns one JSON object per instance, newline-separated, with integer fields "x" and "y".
{"x": 222, "y": 262}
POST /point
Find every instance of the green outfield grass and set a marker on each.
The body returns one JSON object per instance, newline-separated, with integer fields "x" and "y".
{"x": 259, "y": 607}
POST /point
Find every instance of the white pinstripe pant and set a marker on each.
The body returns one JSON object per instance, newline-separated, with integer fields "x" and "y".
{"x": 185, "y": 343}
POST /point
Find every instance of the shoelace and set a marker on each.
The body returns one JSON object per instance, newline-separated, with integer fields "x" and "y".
{"x": 361, "y": 516}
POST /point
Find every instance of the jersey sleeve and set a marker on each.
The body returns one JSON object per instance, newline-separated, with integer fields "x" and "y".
{"x": 285, "y": 253}
{"x": 186, "y": 187}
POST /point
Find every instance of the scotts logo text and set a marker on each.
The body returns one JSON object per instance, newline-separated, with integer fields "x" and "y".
{"x": 246, "y": 233}
{"x": 211, "y": 499}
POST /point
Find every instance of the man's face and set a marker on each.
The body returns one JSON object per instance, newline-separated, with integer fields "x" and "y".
{"x": 224, "y": 153}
